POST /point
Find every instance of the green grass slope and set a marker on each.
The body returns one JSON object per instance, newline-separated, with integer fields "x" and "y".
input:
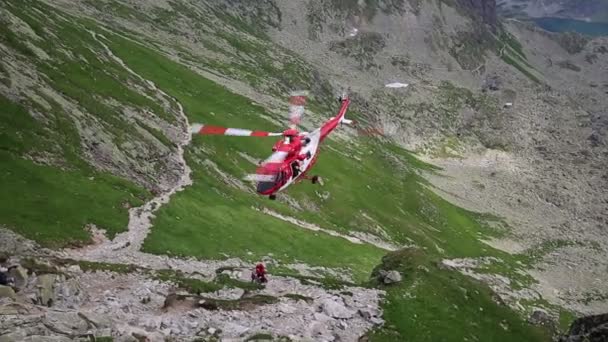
{"x": 50, "y": 204}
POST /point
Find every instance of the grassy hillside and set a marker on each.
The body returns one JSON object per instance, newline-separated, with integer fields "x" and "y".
{"x": 371, "y": 185}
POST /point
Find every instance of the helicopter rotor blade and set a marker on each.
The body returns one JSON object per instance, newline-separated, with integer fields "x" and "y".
{"x": 219, "y": 130}
{"x": 297, "y": 101}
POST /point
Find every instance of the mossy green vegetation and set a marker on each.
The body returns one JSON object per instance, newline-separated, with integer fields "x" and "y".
{"x": 191, "y": 285}
{"x": 244, "y": 303}
{"x": 518, "y": 65}
{"x": 46, "y": 203}
{"x": 433, "y": 304}
{"x": 260, "y": 337}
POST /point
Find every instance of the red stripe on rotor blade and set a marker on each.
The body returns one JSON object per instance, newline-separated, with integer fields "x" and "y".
{"x": 297, "y": 100}
{"x": 213, "y": 130}
{"x": 259, "y": 134}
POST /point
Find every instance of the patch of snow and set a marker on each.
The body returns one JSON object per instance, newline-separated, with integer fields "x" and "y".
{"x": 397, "y": 85}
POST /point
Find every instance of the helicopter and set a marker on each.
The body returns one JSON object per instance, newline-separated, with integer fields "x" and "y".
{"x": 294, "y": 155}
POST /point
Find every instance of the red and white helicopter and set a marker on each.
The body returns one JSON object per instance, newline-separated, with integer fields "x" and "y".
{"x": 294, "y": 155}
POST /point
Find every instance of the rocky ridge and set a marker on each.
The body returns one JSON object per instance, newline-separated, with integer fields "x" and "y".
{"x": 66, "y": 302}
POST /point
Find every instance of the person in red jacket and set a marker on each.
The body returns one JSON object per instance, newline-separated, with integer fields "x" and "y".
{"x": 259, "y": 274}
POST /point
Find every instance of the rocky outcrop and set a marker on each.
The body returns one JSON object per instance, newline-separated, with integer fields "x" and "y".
{"x": 7, "y": 292}
{"x": 389, "y": 277}
{"x": 589, "y": 328}
{"x": 71, "y": 303}
{"x": 572, "y": 9}
{"x": 484, "y": 9}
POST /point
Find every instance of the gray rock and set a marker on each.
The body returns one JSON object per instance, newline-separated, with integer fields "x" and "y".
{"x": 236, "y": 328}
{"x": 321, "y": 317}
{"x": 45, "y": 338}
{"x": 492, "y": 82}
{"x": 588, "y": 328}
{"x": 70, "y": 292}
{"x": 95, "y": 320}
{"x": 336, "y": 309}
{"x": 45, "y": 285}
{"x": 540, "y": 317}
{"x": 229, "y": 294}
{"x": 392, "y": 277}
{"x": 7, "y": 292}
{"x": 66, "y": 323}
{"x": 13, "y": 336}
{"x": 286, "y": 308}
{"x": 268, "y": 260}
{"x": 365, "y": 314}
{"x": 8, "y": 310}
{"x": 19, "y": 274}
{"x": 74, "y": 269}
{"x": 103, "y": 332}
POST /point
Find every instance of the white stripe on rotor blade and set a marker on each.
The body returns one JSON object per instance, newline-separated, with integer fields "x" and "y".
{"x": 296, "y": 111}
{"x": 299, "y": 93}
{"x": 260, "y": 178}
{"x": 195, "y": 128}
{"x": 237, "y": 131}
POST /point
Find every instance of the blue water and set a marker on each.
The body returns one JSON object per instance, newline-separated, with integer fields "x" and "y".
{"x": 565, "y": 25}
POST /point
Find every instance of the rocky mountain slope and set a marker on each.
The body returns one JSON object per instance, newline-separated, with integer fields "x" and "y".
{"x": 581, "y": 10}
{"x": 133, "y": 228}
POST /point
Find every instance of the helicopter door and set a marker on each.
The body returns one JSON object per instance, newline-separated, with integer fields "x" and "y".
{"x": 295, "y": 169}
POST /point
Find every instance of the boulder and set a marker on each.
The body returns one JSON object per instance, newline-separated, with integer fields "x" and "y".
{"x": 19, "y": 275}
{"x": 74, "y": 269}
{"x": 7, "y": 292}
{"x": 492, "y": 82}
{"x": 45, "y": 285}
{"x": 13, "y": 336}
{"x": 336, "y": 309}
{"x": 389, "y": 277}
{"x": 140, "y": 335}
{"x": 540, "y": 317}
{"x": 66, "y": 323}
{"x": 8, "y": 310}
{"x": 38, "y": 338}
{"x": 286, "y": 308}
{"x": 95, "y": 320}
{"x": 588, "y": 328}
{"x": 321, "y": 317}
{"x": 365, "y": 314}
{"x": 70, "y": 292}
{"x": 228, "y": 294}
{"x": 234, "y": 328}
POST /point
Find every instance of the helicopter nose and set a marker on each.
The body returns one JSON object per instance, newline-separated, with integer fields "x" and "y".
{"x": 264, "y": 187}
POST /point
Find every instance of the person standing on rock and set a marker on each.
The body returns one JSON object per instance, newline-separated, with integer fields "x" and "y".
{"x": 259, "y": 274}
